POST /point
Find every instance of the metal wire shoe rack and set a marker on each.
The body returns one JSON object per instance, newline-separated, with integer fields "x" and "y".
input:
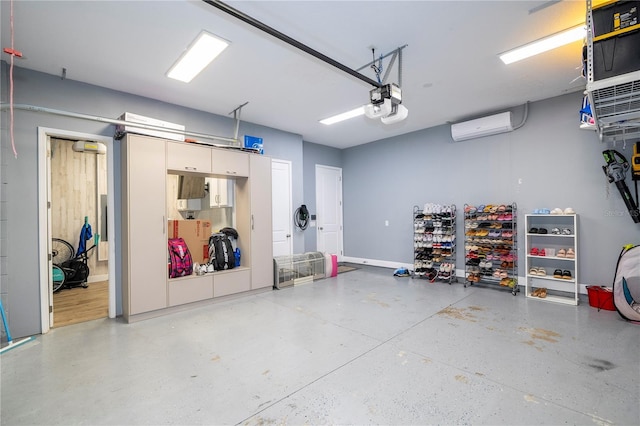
{"x": 434, "y": 242}
{"x": 490, "y": 245}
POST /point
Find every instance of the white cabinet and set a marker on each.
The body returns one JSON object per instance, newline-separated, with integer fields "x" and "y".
{"x": 146, "y": 162}
{"x": 185, "y": 157}
{"x": 190, "y": 289}
{"x": 144, "y": 233}
{"x": 220, "y": 192}
{"x": 229, "y": 163}
{"x": 261, "y": 222}
{"x": 552, "y": 257}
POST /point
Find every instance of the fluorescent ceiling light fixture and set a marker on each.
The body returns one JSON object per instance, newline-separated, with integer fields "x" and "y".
{"x": 202, "y": 51}
{"x": 344, "y": 116}
{"x": 545, "y": 44}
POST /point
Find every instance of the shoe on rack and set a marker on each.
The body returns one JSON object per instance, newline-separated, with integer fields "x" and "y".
{"x": 566, "y": 275}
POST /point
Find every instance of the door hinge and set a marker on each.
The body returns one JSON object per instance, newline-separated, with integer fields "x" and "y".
{"x": 50, "y": 308}
{"x": 49, "y": 256}
{"x": 48, "y": 204}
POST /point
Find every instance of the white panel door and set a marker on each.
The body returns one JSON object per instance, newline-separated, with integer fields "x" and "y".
{"x": 329, "y": 208}
{"x": 282, "y": 208}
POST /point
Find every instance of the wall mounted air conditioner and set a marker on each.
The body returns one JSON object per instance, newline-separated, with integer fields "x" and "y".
{"x": 480, "y": 127}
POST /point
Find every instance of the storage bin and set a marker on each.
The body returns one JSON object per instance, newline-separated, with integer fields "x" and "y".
{"x": 601, "y": 298}
{"x": 616, "y": 55}
{"x": 612, "y": 18}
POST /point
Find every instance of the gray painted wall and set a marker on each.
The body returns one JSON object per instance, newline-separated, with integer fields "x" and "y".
{"x": 315, "y": 154}
{"x": 558, "y": 165}
{"x": 20, "y": 287}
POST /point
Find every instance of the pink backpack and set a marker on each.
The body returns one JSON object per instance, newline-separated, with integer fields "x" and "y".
{"x": 180, "y": 260}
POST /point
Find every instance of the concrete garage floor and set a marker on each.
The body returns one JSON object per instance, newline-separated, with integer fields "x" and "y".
{"x": 362, "y": 348}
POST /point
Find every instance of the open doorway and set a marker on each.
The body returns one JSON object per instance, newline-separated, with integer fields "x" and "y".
{"x": 79, "y": 282}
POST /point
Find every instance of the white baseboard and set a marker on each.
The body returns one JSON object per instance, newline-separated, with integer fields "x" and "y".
{"x": 98, "y": 278}
{"x": 375, "y": 262}
{"x": 460, "y": 273}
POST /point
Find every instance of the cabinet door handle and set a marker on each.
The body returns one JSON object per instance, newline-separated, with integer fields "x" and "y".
{"x": 190, "y": 168}
{"x": 230, "y": 172}
{"x": 252, "y": 222}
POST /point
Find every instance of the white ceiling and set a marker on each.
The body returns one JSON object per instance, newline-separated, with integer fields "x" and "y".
{"x": 451, "y": 71}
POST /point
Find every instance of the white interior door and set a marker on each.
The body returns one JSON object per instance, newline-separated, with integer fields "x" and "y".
{"x": 282, "y": 207}
{"x": 329, "y": 210}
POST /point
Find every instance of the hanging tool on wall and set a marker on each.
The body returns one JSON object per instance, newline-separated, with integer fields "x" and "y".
{"x": 301, "y": 217}
{"x": 616, "y": 170}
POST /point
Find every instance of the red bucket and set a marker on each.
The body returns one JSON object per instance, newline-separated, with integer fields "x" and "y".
{"x": 601, "y": 297}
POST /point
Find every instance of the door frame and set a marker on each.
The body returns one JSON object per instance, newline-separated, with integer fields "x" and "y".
{"x": 340, "y": 253}
{"x": 44, "y": 234}
{"x": 290, "y": 191}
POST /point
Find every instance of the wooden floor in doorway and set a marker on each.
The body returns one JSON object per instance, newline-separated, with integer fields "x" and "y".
{"x": 75, "y": 305}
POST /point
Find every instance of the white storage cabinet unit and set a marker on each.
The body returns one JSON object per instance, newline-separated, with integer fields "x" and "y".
{"x": 147, "y": 291}
{"x": 552, "y": 257}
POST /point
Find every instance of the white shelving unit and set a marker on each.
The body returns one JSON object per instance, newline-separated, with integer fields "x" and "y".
{"x": 560, "y": 290}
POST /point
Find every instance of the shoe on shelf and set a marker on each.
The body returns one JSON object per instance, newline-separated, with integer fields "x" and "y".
{"x": 533, "y": 271}
{"x": 543, "y": 293}
{"x": 557, "y": 210}
{"x": 569, "y": 210}
{"x": 542, "y": 230}
{"x": 535, "y": 251}
{"x": 542, "y": 253}
{"x": 570, "y": 254}
{"x": 555, "y": 231}
{"x": 566, "y": 275}
{"x": 561, "y": 253}
{"x": 536, "y": 292}
{"x": 542, "y": 272}
{"x": 557, "y": 273}
{"x": 566, "y": 231}
{"x": 533, "y": 230}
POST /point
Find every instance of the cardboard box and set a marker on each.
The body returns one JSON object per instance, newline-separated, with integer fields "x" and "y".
{"x": 128, "y": 116}
{"x": 195, "y": 233}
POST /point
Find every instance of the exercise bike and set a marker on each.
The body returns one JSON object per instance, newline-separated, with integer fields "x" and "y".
{"x": 69, "y": 270}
